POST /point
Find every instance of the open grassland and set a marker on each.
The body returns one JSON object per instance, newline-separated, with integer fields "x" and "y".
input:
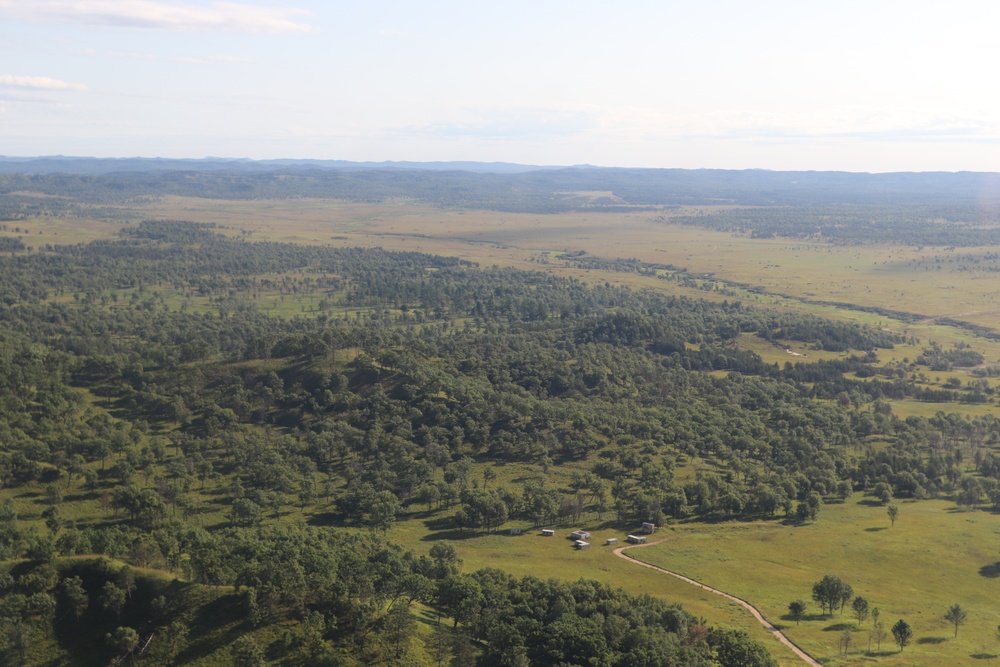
{"x": 934, "y": 557}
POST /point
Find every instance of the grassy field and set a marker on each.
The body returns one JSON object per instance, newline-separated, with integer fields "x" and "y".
{"x": 934, "y": 557}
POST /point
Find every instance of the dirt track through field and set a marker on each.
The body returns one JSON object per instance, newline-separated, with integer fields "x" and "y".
{"x": 743, "y": 603}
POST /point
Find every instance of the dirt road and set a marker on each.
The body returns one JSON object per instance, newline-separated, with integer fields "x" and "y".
{"x": 743, "y": 603}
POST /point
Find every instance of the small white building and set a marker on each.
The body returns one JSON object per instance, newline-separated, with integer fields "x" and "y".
{"x": 649, "y": 528}
{"x": 580, "y": 544}
{"x": 515, "y": 531}
{"x": 580, "y": 535}
{"x": 611, "y": 540}
{"x": 636, "y": 539}
{"x": 548, "y": 532}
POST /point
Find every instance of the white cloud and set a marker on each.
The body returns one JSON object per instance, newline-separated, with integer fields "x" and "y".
{"x": 38, "y": 83}
{"x": 182, "y": 17}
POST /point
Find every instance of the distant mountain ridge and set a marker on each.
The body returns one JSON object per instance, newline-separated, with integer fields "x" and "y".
{"x": 970, "y": 197}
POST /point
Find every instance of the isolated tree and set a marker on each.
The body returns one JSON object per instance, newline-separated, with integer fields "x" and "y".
{"x": 956, "y": 616}
{"x": 112, "y": 598}
{"x": 845, "y": 594}
{"x": 174, "y": 638}
{"x": 877, "y": 633}
{"x": 75, "y": 596}
{"x": 245, "y": 513}
{"x": 808, "y": 509}
{"x": 796, "y": 610}
{"x": 893, "y": 512}
{"x": 860, "y": 607}
{"x": 902, "y": 633}
{"x": 439, "y": 644}
{"x": 123, "y": 640}
{"x": 381, "y": 510}
{"x": 446, "y": 560}
{"x": 401, "y": 625}
{"x": 883, "y": 492}
{"x": 831, "y": 592}
{"x": 845, "y": 639}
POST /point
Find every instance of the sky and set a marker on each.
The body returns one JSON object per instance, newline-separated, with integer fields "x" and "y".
{"x": 872, "y": 85}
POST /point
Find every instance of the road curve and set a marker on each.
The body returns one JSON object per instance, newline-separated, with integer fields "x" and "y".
{"x": 809, "y": 660}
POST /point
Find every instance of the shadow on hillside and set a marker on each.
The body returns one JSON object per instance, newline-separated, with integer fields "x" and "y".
{"x": 875, "y": 529}
{"x": 870, "y": 502}
{"x": 991, "y": 571}
{"x": 932, "y": 640}
{"x": 205, "y": 635}
{"x": 982, "y": 656}
{"x": 880, "y": 654}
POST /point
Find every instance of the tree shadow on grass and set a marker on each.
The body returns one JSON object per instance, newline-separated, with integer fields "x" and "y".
{"x": 932, "y": 640}
{"x": 454, "y": 534}
{"x": 982, "y": 656}
{"x": 209, "y": 619}
{"x": 805, "y": 617}
{"x": 991, "y": 571}
{"x": 440, "y": 523}
{"x": 326, "y": 519}
{"x": 870, "y": 502}
{"x": 429, "y": 617}
{"x": 875, "y": 529}
{"x": 839, "y": 627}
{"x": 880, "y": 654}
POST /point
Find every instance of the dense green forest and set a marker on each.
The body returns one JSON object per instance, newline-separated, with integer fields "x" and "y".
{"x": 153, "y": 412}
